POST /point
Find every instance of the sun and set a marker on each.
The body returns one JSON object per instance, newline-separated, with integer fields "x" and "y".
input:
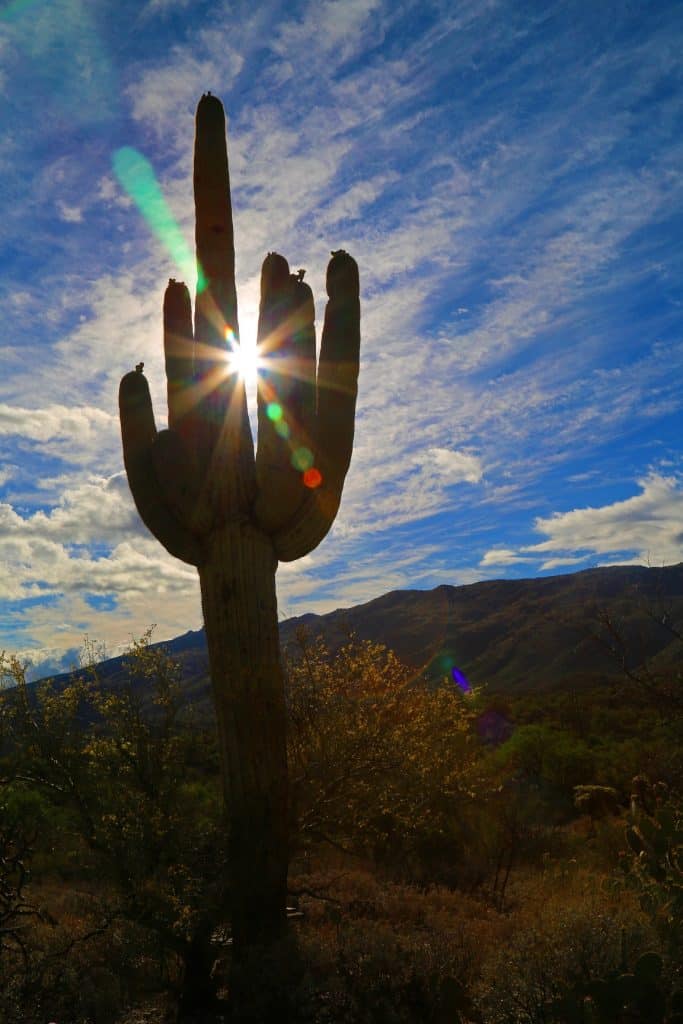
{"x": 243, "y": 358}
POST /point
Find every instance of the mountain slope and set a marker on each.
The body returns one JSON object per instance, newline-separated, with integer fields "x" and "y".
{"x": 518, "y": 635}
{"x": 512, "y": 635}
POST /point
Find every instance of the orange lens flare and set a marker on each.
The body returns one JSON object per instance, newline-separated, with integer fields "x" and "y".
{"x": 312, "y": 478}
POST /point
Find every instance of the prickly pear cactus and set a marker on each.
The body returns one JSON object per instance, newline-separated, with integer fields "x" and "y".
{"x": 212, "y": 503}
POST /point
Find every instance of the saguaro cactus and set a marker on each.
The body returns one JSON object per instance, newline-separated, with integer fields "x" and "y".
{"x": 211, "y": 502}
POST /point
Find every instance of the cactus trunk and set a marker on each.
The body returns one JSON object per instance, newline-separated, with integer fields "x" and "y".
{"x": 240, "y": 614}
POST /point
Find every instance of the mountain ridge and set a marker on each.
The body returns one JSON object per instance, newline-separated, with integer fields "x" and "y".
{"x": 513, "y": 636}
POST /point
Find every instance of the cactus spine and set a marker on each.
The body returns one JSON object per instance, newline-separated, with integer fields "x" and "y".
{"x": 205, "y": 496}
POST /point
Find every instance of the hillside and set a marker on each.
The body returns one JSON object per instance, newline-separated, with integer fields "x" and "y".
{"x": 515, "y": 636}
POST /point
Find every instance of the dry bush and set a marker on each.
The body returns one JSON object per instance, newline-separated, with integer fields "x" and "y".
{"x": 378, "y": 951}
{"x": 383, "y": 951}
{"x": 567, "y": 929}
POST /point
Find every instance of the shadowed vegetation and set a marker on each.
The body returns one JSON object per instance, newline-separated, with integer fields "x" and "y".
{"x": 439, "y": 872}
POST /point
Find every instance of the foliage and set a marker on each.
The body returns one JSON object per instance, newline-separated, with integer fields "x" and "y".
{"x": 386, "y": 951}
{"x": 380, "y": 764}
{"x": 112, "y": 772}
{"x": 394, "y": 792}
{"x": 551, "y": 759}
{"x": 568, "y": 948}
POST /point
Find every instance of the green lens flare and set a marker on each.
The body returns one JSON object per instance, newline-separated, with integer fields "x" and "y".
{"x": 136, "y": 175}
{"x": 302, "y": 459}
{"x": 274, "y": 411}
{"x": 14, "y": 9}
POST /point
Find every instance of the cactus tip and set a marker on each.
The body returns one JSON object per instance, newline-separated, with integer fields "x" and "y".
{"x": 139, "y": 367}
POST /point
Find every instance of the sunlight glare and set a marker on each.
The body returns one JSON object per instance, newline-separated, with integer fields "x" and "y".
{"x": 243, "y": 356}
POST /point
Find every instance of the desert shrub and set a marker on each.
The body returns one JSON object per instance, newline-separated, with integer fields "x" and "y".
{"x": 551, "y": 760}
{"x": 70, "y": 967}
{"x": 120, "y": 802}
{"x": 381, "y": 765}
{"x": 566, "y": 942}
{"x": 388, "y": 951}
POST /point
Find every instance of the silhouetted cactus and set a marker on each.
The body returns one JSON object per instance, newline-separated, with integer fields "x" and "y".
{"x": 212, "y": 503}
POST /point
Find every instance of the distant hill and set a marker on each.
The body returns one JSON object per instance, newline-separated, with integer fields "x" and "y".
{"x": 515, "y": 636}
{"x": 521, "y": 635}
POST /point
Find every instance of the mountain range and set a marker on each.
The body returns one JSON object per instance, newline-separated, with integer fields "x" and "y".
{"x": 572, "y": 631}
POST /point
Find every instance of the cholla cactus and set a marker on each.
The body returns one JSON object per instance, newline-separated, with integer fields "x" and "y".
{"x": 212, "y": 503}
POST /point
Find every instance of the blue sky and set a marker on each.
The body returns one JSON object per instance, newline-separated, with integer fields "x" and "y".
{"x": 509, "y": 177}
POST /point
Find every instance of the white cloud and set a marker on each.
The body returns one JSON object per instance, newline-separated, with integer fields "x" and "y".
{"x": 351, "y": 202}
{"x": 649, "y": 523}
{"x": 97, "y": 510}
{"x": 91, "y": 543}
{"x": 161, "y": 93}
{"x": 340, "y": 30}
{"x": 55, "y": 422}
{"x": 456, "y": 467}
{"x": 558, "y": 563}
{"x": 501, "y": 556}
{"x": 69, "y": 214}
{"x": 154, "y": 7}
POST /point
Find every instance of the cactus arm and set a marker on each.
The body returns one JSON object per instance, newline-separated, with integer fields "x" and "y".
{"x": 337, "y": 389}
{"x": 224, "y": 429}
{"x": 338, "y": 369}
{"x": 178, "y": 352}
{"x": 286, "y": 392}
{"x": 138, "y": 433}
{"x": 177, "y": 474}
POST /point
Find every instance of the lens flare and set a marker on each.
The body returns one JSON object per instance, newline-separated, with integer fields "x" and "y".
{"x": 14, "y": 9}
{"x": 313, "y": 478}
{"x": 461, "y": 679}
{"x": 274, "y": 411}
{"x": 302, "y": 459}
{"x": 136, "y": 176}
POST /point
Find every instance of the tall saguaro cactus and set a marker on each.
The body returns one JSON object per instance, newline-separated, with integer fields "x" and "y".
{"x": 212, "y": 503}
